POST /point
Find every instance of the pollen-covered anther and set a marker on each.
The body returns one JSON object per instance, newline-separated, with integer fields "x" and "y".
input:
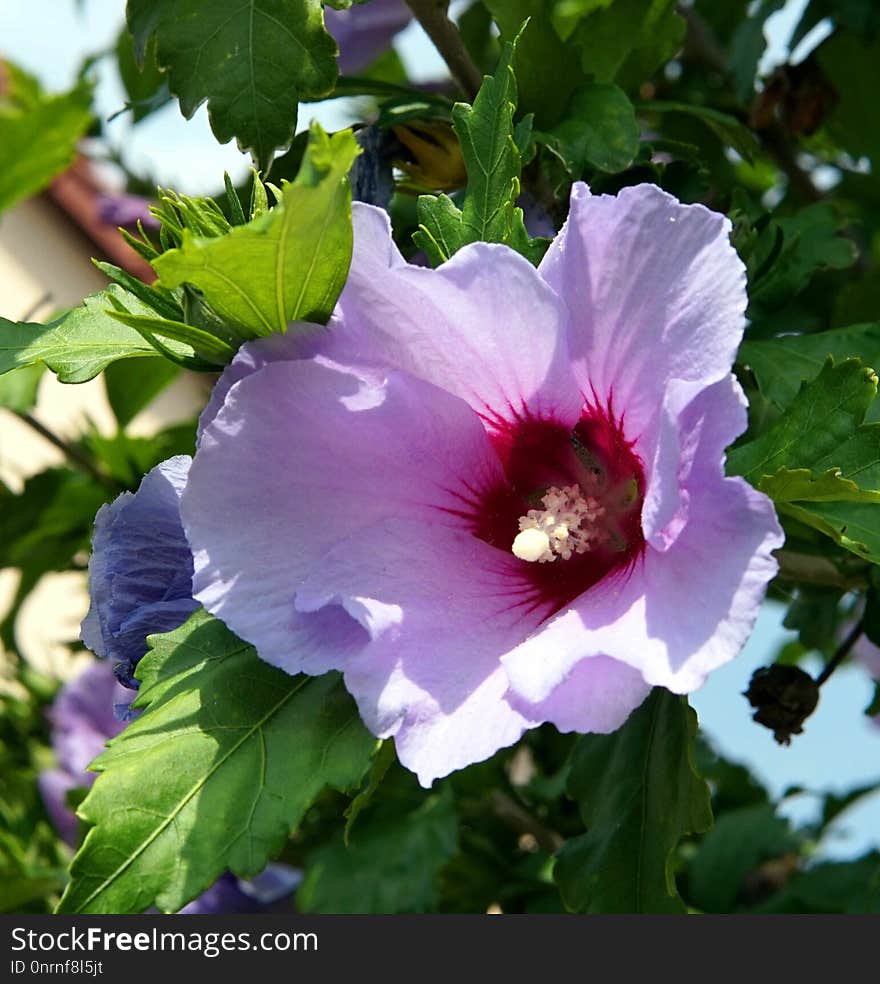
{"x": 569, "y": 523}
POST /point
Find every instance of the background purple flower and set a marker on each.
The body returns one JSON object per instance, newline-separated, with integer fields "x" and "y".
{"x": 364, "y": 31}
{"x": 82, "y": 719}
{"x": 270, "y": 891}
{"x": 82, "y": 722}
{"x": 587, "y": 404}
{"x": 140, "y": 570}
{"x": 126, "y": 211}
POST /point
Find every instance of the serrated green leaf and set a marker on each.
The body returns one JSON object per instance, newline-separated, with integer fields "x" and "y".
{"x": 823, "y": 416}
{"x": 215, "y": 774}
{"x": 493, "y": 162}
{"x": 638, "y": 795}
{"x": 391, "y": 863}
{"x": 600, "y": 130}
{"x": 296, "y": 256}
{"x": 492, "y": 158}
{"x": 252, "y": 60}
{"x": 79, "y": 344}
{"x": 793, "y": 484}
{"x": 439, "y": 232}
{"x": 821, "y": 460}
{"x": 781, "y": 364}
{"x": 38, "y": 136}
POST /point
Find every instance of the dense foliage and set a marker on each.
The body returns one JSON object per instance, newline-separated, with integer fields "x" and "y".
{"x": 233, "y": 763}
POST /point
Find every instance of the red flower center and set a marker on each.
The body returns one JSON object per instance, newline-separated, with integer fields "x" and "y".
{"x": 546, "y": 465}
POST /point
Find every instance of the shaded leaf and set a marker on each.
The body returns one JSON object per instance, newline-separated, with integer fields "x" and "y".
{"x": 391, "y": 864}
{"x": 638, "y": 795}
{"x": 600, "y": 130}
{"x": 131, "y": 386}
{"x": 740, "y": 840}
{"x": 214, "y": 775}
{"x": 18, "y": 388}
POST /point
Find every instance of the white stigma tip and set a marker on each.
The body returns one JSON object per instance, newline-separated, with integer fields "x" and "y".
{"x": 531, "y": 545}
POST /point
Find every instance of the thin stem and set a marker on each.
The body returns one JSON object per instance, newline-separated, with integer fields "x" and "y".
{"x": 432, "y": 15}
{"x": 70, "y": 451}
{"x": 802, "y": 568}
{"x": 842, "y": 652}
{"x": 520, "y": 820}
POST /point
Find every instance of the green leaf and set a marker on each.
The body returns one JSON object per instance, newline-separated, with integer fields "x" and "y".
{"x": 491, "y": 156}
{"x": 43, "y": 528}
{"x": 493, "y": 162}
{"x": 811, "y": 243}
{"x": 127, "y": 459}
{"x": 781, "y": 364}
{"x": 747, "y": 47}
{"x": 727, "y": 128}
{"x": 850, "y": 63}
{"x": 145, "y": 84}
{"x": 544, "y": 63}
{"x": 131, "y": 386}
{"x": 385, "y": 756}
{"x": 18, "y": 389}
{"x": 76, "y": 346}
{"x": 216, "y": 773}
{"x": 296, "y": 255}
{"x": 638, "y": 795}
{"x": 814, "y": 614}
{"x": 628, "y": 40}
{"x": 252, "y": 60}
{"x": 739, "y": 842}
{"x": 600, "y": 130}
{"x": 38, "y": 134}
{"x": 391, "y": 863}
{"x": 819, "y": 462}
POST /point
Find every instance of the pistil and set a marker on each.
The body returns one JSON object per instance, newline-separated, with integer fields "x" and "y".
{"x": 570, "y": 523}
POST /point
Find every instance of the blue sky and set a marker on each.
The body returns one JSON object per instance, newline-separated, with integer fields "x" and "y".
{"x": 840, "y": 747}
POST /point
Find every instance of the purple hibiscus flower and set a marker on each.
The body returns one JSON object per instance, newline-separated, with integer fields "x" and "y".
{"x": 363, "y": 32}
{"x": 82, "y": 721}
{"x": 494, "y": 496}
{"x": 140, "y": 571}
